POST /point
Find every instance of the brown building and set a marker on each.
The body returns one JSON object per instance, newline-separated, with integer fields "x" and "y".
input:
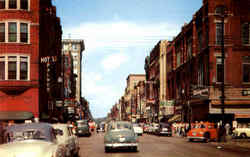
{"x": 194, "y": 64}
{"x": 30, "y": 48}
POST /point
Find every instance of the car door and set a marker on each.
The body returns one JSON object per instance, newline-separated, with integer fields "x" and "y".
{"x": 71, "y": 140}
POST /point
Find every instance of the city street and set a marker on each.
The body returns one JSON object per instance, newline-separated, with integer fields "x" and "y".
{"x": 154, "y": 146}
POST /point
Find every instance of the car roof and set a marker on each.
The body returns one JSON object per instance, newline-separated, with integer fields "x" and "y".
{"x": 27, "y": 126}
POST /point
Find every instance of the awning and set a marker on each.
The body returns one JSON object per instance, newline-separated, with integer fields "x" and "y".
{"x": 175, "y": 118}
{"x": 15, "y": 115}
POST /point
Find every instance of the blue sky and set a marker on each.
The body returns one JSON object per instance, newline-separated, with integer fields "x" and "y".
{"x": 118, "y": 35}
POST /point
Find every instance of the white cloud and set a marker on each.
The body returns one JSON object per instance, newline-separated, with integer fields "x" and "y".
{"x": 120, "y": 34}
{"x": 113, "y": 61}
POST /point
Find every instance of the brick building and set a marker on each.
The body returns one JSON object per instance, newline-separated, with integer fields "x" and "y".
{"x": 30, "y": 48}
{"x": 195, "y": 69}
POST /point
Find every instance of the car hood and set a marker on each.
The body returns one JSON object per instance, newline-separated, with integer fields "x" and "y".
{"x": 29, "y": 148}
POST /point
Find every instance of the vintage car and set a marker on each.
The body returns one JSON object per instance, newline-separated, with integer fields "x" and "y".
{"x": 203, "y": 131}
{"x": 242, "y": 131}
{"x": 120, "y": 134}
{"x": 164, "y": 129}
{"x": 33, "y": 139}
{"x": 68, "y": 139}
{"x": 82, "y": 128}
{"x": 138, "y": 129}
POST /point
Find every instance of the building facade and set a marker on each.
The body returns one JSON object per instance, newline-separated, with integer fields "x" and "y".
{"x": 30, "y": 47}
{"x": 202, "y": 88}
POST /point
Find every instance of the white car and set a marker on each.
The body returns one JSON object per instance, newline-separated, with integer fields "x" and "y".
{"x": 138, "y": 129}
{"x": 31, "y": 140}
{"x": 68, "y": 139}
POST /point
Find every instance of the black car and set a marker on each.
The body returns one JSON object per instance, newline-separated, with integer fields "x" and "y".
{"x": 164, "y": 129}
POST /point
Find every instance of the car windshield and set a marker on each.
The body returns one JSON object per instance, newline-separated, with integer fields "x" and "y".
{"x": 82, "y": 123}
{"x": 120, "y": 126}
{"x": 22, "y": 135}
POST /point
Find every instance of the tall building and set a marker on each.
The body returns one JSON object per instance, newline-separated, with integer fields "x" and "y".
{"x": 30, "y": 48}
{"x": 72, "y": 51}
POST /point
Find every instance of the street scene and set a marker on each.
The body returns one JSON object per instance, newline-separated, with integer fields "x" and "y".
{"x": 140, "y": 78}
{"x": 162, "y": 146}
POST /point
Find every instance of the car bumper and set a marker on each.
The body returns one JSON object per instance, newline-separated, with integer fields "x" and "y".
{"x": 117, "y": 145}
{"x": 197, "y": 137}
{"x": 165, "y": 133}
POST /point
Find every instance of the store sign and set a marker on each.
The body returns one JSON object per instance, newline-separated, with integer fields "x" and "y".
{"x": 200, "y": 92}
{"x": 49, "y": 59}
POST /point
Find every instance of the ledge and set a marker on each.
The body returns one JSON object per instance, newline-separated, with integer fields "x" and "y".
{"x": 16, "y": 87}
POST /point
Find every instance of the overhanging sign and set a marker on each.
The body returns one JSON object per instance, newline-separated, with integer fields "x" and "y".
{"x": 49, "y": 59}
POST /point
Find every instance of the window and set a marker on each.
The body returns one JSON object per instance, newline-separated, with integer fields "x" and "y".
{"x": 2, "y": 32}
{"x": 200, "y": 40}
{"x": 16, "y": 32}
{"x": 2, "y": 4}
{"x": 219, "y": 33}
{"x": 24, "y": 32}
{"x": 220, "y": 10}
{"x": 246, "y": 69}
{"x": 189, "y": 48}
{"x": 23, "y": 68}
{"x": 2, "y": 68}
{"x": 219, "y": 70}
{"x": 12, "y": 4}
{"x": 12, "y": 67}
{"x": 12, "y": 32}
{"x": 24, "y": 4}
{"x": 245, "y": 33}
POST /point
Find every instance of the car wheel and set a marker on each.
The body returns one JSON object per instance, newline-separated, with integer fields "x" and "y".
{"x": 135, "y": 149}
{"x": 107, "y": 149}
{"x": 206, "y": 137}
{"x": 243, "y": 135}
{"x": 190, "y": 140}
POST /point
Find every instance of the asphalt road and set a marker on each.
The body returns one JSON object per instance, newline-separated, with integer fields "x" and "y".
{"x": 154, "y": 146}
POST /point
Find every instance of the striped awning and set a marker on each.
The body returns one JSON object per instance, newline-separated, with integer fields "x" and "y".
{"x": 175, "y": 118}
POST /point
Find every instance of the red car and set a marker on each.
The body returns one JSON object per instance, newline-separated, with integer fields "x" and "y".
{"x": 203, "y": 131}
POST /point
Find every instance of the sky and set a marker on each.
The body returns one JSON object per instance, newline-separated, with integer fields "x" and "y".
{"x": 118, "y": 35}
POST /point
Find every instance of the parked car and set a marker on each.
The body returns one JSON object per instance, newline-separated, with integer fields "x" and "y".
{"x": 100, "y": 127}
{"x": 164, "y": 129}
{"x": 155, "y": 127}
{"x": 203, "y": 131}
{"x": 138, "y": 129}
{"x": 120, "y": 134}
{"x": 33, "y": 139}
{"x": 243, "y": 131}
{"x": 68, "y": 139}
{"x": 82, "y": 128}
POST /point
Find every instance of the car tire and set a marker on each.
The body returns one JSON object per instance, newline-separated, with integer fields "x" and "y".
{"x": 243, "y": 135}
{"x": 190, "y": 140}
{"x": 135, "y": 149}
{"x": 206, "y": 137}
{"x": 107, "y": 149}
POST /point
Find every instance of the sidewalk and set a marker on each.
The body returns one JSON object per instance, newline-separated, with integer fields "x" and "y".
{"x": 241, "y": 143}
